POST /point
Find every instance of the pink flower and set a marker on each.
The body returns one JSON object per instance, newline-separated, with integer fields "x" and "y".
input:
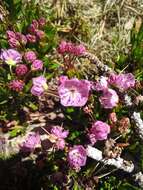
{"x": 14, "y": 43}
{"x": 79, "y": 50}
{"x": 37, "y": 90}
{"x": 15, "y": 39}
{"x": 31, "y": 38}
{"x": 42, "y": 22}
{"x": 74, "y": 92}
{"x": 109, "y": 99}
{"x": 11, "y": 56}
{"x": 34, "y": 26}
{"x": 66, "y": 47}
{"x": 59, "y": 134}
{"x": 40, "y": 81}
{"x": 21, "y": 70}
{"x": 62, "y": 47}
{"x": 37, "y": 65}
{"x": 122, "y": 81}
{"x": 62, "y": 79}
{"x": 101, "y": 84}
{"x": 30, "y": 56}
{"x": 30, "y": 143}
{"x": 98, "y": 131}
{"x": 70, "y": 48}
{"x": 40, "y": 34}
{"x": 16, "y": 85}
{"x": 21, "y": 38}
{"x": 113, "y": 118}
{"x": 60, "y": 144}
{"x": 77, "y": 157}
{"x": 39, "y": 86}
{"x": 10, "y": 34}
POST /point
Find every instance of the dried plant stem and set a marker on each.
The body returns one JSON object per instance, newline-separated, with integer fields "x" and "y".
{"x": 119, "y": 162}
{"x": 139, "y": 179}
{"x": 98, "y": 63}
{"x": 108, "y": 173}
{"x": 139, "y": 124}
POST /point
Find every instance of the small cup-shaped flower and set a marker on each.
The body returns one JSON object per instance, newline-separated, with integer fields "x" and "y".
{"x": 77, "y": 157}
{"x": 60, "y": 144}
{"x": 30, "y": 56}
{"x": 11, "y": 57}
{"x": 37, "y": 65}
{"x": 31, "y": 38}
{"x": 16, "y": 85}
{"x": 21, "y": 70}
{"x": 30, "y": 143}
{"x": 59, "y": 132}
{"x": 101, "y": 84}
{"x": 122, "y": 81}
{"x": 98, "y": 131}
{"x": 37, "y": 90}
{"x": 74, "y": 92}
{"x": 109, "y": 99}
{"x": 39, "y": 86}
{"x": 40, "y": 81}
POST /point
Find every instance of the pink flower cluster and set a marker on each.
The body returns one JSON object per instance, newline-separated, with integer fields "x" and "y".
{"x": 58, "y": 136}
{"x": 77, "y": 157}
{"x": 31, "y": 57}
{"x": 35, "y": 30}
{"x": 21, "y": 70}
{"x": 68, "y": 47}
{"x": 39, "y": 86}
{"x": 30, "y": 143}
{"x": 109, "y": 98}
{"x": 98, "y": 131}
{"x": 73, "y": 92}
{"x": 16, "y": 39}
{"x": 16, "y": 85}
{"x": 122, "y": 81}
{"x": 13, "y": 58}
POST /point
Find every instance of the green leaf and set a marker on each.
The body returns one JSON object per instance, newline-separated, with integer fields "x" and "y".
{"x": 33, "y": 106}
{"x": 127, "y": 186}
{"x": 54, "y": 66}
{"x": 3, "y": 102}
{"x": 15, "y": 132}
{"x": 76, "y": 186}
{"x": 74, "y": 135}
{"x": 70, "y": 110}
